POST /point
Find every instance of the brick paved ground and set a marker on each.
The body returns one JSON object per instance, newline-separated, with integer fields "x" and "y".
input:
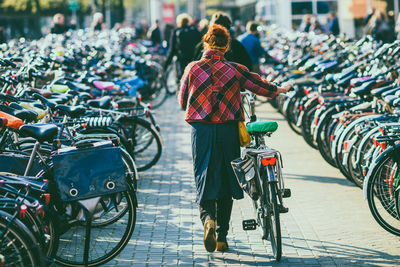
{"x": 328, "y": 223}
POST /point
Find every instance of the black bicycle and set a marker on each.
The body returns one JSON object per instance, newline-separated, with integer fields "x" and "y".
{"x": 259, "y": 173}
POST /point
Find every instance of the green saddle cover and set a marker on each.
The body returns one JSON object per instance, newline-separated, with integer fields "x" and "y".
{"x": 262, "y": 127}
{"x": 59, "y": 88}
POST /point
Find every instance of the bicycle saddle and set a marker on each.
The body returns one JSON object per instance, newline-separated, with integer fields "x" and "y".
{"x": 104, "y": 85}
{"x": 45, "y": 101}
{"x": 103, "y": 103}
{"x": 366, "y": 87}
{"x": 59, "y": 88}
{"x": 8, "y": 98}
{"x": 391, "y": 92}
{"x": 126, "y": 103}
{"x": 44, "y": 93}
{"x": 390, "y": 99}
{"x": 359, "y": 81}
{"x": 396, "y": 103}
{"x": 344, "y": 82}
{"x": 378, "y": 91}
{"x": 84, "y": 96}
{"x": 35, "y": 106}
{"x": 11, "y": 121}
{"x": 78, "y": 86}
{"x": 40, "y": 132}
{"x": 73, "y": 112}
{"x": 262, "y": 127}
{"x": 23, "y": 114}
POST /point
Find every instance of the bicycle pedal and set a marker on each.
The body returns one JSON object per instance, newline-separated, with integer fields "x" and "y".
{"x": 287, "y": 193}
{"x": 249, "y": 224}
{"x": 283, "y": 209}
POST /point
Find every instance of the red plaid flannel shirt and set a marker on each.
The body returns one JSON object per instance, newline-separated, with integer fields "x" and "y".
{"x": 210, "y": 89}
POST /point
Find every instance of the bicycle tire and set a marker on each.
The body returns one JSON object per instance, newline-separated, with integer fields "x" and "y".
{"x": 291, "y": 116}
{"x": 306, "y": 123}
{"x": 274, "y": 217}
{"x": 14, "y": 235}
{"x": 105, "y": 256}
{"x": 377, "y": 193}
{"x": 354, "y": 172}
{"x": 131, "y": 171}
{"x": 323, "y": 143}
{"x": 142, "y": 135}
{"x": 170, "y": 78}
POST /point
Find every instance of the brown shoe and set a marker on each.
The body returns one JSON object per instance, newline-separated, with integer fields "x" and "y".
{"x": 222, "y": 246}
{"x": 210, "y": 241}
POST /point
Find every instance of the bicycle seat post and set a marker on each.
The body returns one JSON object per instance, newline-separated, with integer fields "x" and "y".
{"x": 252, "y": 104}
{"x": 32, "y": 157}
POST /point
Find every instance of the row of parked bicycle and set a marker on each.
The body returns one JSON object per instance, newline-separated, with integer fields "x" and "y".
{"x": 76, "y": 127}
{"x": 346, "y": 104}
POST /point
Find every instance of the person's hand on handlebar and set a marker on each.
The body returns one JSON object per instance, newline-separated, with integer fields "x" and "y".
{"x": 284, "y": 88}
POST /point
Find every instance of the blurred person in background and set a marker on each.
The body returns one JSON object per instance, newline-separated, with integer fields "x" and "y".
{"x": 203, "y": 26}
{"x": 252, "y": 44}
{"x": 154, "y": 33}
{"x": 316, "y": 27}
{"x": 333, "y": 24}
{"x": 59, "y": 26}
{"x": 306, "y": 23}
{"x": 397, "y": 27}
{"x": 3, "y": 38}
{"x": 168, "y": 29}
{"x": 98, "y": 22}
{"x": 236, "y": 51}
{"x": 182, "y": 43}
{"x": 382, "y": 30}
{"x": 238, "y": 29}
{"x": 141, "y": 30}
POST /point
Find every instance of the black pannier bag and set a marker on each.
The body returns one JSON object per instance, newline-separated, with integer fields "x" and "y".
{"x": 86, "y": 173}
{"x": 245, "y": 173}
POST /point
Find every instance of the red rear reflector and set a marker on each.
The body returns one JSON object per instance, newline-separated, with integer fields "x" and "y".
{"x": 316, "y": 121}
{"x": 383, "y": 145}
{"x": 364, "y": 172}
{"x": 22, "y": 211}
{"x": 374, "y": 142}
{"x": 332, "y": 137}
{"x": 320, "y": 100}
{"x": 268, "y": 161}
{"x": 345, "y": 145}
{"x": 46, "y": 198}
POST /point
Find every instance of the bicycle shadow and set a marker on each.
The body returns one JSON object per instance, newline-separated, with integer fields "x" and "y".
{"x": 320, "y": 179}
{"x": 321, "y": 255}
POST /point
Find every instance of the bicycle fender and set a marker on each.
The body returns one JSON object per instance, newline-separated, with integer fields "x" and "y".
{"x": 373, "y": 165}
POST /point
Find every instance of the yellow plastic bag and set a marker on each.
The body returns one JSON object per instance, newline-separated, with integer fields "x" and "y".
{"x": 244, "y": 136}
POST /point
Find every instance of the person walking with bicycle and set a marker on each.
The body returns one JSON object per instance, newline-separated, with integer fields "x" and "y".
{"x": 210, "y": 94}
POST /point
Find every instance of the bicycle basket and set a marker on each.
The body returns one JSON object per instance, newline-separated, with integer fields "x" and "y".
{"x": 245, "y": 173}
{"x": 82, "y": 174}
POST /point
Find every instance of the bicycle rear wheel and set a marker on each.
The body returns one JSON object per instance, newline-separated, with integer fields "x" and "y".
{"x": 106, "y": 242}
{"x": 274, "y": 221}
